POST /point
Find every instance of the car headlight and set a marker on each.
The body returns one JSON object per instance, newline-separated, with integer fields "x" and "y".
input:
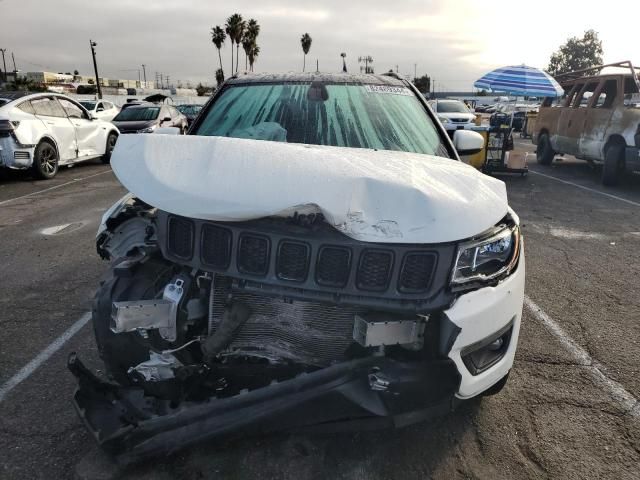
{"x": 443, "y": 119}
{"x": 148, "y": 129}
{"x": 487, "y": 259}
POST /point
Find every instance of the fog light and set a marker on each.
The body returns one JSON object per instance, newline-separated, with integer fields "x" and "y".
{"x": 484, "y": 354}
{"x": 496, "y": 344}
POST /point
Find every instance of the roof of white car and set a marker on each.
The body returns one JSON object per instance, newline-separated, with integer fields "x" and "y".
{"x": 13, "y": 96}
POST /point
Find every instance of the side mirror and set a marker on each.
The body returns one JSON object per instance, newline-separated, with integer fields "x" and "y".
{"x": 92, "y": 116}
{"x": 467, "y": 142}
{"x": 166, "y": 119}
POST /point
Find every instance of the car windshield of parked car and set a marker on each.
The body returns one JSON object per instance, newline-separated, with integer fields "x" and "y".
{"x": 88, "y": 105}
{"x": 451, "y": 107}
{"x": 192, "y": 110}
{"x": 137, "y": 114}
{"x": 342, "y": 115}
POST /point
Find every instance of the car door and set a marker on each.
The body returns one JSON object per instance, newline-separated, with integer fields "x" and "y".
{"x": 58, "y": 125}
{"x": 573, "y": 119}
{"x": 88, "y": 132}
{"x": 606, "y": 98}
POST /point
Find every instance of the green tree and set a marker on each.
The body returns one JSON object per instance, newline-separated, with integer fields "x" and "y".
{"x": 218, "y": 36}
{"x": 76, "y": 72}
{"x": 305, "y": 41}
{"x": 235, "y": 28}
{"x": 423, "y": 84}
{"x": 577, "y": 54}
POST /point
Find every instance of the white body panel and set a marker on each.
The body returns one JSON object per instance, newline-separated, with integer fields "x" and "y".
{"x": 481, "y": 313}
{"x": 88, "y": 137}
{"x": 377, "y": 196}
{"x": 63, "y": 131}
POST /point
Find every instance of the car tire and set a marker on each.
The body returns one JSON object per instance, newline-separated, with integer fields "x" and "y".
{"x": 120, "y": 351}
{"x": 112, "y": 138}
{"x": 544, "y": 152}
{"x": 613, "y": 165}
{"x": 45, "y": 160}
{"x": 497, "y": 387}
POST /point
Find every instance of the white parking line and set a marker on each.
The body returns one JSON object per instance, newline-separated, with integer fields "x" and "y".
{"x": 53, "y": 188}
{"x": 582, "y": 357}
{"x": 43, "y": 356}
{"x": 592, "y": 190}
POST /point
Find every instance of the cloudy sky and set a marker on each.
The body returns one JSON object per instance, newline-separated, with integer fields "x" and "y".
{"x": 453, "y": 41}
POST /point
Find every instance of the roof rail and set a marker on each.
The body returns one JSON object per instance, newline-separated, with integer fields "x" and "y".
{"x": 586, "y": 72}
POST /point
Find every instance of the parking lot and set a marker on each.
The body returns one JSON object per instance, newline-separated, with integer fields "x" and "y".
{"x": 569, "y": 409}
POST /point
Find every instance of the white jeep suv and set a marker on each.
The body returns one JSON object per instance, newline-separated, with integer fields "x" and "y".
{"x": 44, "y": 131}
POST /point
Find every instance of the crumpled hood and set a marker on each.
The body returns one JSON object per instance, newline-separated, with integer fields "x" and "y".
{"x": 372, "y": 196}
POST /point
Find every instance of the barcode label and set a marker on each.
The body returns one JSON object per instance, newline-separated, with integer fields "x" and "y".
{"x": 388, "y": 89}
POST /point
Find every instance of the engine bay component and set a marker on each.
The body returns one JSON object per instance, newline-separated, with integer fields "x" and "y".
{"x": 232, "y": 320}
{"x": 160, "y": 366}
{"x": 141, "y": 315}
{"x": 379, "y": 329}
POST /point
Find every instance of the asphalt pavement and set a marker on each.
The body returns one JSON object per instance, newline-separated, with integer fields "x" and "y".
{"x": 569, "y": 409}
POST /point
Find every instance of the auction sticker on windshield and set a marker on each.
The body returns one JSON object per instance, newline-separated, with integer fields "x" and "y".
{"x": 388, "y": 89}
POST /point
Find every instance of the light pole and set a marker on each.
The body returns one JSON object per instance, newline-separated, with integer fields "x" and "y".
{"x": 144, "y": 71}
{"x": 367, "y": 59}
{"x": 4, "y": 71}
{"x": 344, "y": 62}
{"x": 93, "y": 44}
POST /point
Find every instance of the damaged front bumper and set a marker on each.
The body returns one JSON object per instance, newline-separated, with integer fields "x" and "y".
{"x": 373, "y": 392}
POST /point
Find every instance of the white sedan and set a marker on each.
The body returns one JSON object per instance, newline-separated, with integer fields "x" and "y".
{"x": 45, "y": 131}
{"x": 101, "y": 109}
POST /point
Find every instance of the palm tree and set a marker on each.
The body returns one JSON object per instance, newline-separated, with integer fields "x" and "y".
{"x": 242, "y": 25}
{"x": 247, "y": 45}
{"x": 219, "y": 76}
{"x": 234, "y": 28}
{"x": 218, "y": 37}
{"x": 305, "y": 41}
{"x": 253, "y": 53}
{"x": 252, "y": 32}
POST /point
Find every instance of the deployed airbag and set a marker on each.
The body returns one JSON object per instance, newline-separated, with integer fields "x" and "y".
{"x": 370, "y": 195}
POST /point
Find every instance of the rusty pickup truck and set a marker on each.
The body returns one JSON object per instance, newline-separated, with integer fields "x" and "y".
{"x": 598, "y": 120}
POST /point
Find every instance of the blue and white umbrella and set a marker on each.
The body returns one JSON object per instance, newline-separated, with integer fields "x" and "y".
{"x": 520, "y": 80}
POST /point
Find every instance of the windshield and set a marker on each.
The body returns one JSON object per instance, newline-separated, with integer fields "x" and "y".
{"x": 133, "y": 114}
{"x": 192, "y": 110}
{"x": 88, "y": 105}
{"x": 451, "y": 107}
{"x": 341, "y": 115}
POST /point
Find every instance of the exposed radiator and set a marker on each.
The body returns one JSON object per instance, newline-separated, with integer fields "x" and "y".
{"x": 307, "y": 332}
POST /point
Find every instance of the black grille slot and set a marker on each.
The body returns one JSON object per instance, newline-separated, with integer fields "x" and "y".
{"x": 293, "y": 261}
{"x": 253, "y": 254}
{"x": 216, "y": 246}
{"x": 416, "y": 272}
{"x": 374, "y": 270}
{"x": 334, "y": 265}
{"x": 181, "y": 233}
